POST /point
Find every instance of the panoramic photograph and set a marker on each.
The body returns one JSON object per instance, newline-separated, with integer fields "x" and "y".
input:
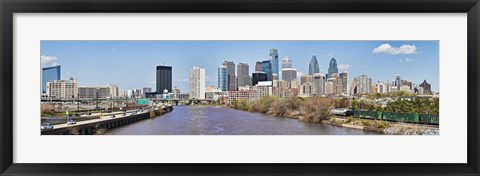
{"x": 239, "y": 87}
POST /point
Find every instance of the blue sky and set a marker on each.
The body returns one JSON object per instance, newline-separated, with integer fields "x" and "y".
{"x": 132, "y": 64}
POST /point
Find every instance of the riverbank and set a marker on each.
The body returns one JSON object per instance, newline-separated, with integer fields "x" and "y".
{"x": 389, "y": 128}
{"x": 317, "y": 110}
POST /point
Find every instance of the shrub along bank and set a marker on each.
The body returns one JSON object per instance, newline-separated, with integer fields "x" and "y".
{"x": 317, "y": 110}
{"x": 305, "y": 109}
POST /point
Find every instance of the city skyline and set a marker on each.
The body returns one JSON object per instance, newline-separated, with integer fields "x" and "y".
{"x": 131, "y": 64}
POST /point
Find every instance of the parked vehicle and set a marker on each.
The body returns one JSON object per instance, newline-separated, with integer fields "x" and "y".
{"x": 46, "y": 126}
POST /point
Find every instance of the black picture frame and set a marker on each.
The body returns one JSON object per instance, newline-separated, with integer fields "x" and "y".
{"x": 9, "y": 7}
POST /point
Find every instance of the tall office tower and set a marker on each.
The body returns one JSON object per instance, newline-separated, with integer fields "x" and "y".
{"x": 49, "y": 74}
{"x": 197, "y": 83}
{"x": 332, "y": 67}
{"x": 243, "y": 76}
{"x": 427, "y": 88}
{"x": 274, "y": 60}
{"x": 266, "y": 67}
{"x": 306, "y": 78}
{"x": 258, "y": 66}
{"x": 289, "y": 74}
{"x": 231, "y": 75}
{"x": 164, "y": 78}
{"x": 222, "y": 78}
{"x": 258, "y": 76}
{"x": 364, "y": 84}
{"x": 318, "y": 84}
{"x": 343, "y": 81}
{"x": 313, "y": 66}
{"x": 398, "y": 82}
{"x": 286, "y": 62}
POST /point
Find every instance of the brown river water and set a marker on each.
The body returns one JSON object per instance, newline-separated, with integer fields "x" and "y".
{"x": 211, "y": 120}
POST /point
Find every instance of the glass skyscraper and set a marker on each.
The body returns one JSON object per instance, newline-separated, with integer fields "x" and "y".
{"x": 274, "y": 60}
{"x": 49, "y": 74}
{"x": 266, "y": 67}
{"x": 313, "y": 66}
{"x": 332, "y": 67}
{"x": 222, "y": 78}
{"x": 231, "y": 75}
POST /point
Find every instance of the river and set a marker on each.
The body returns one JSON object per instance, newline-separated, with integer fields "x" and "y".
{"x": 211, "y": 120}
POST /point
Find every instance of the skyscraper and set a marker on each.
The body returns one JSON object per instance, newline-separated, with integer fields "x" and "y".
{"x": 289, "y": 74}
{"x": 313, "y": 66}
{"x": 427, "y": 88}
{"x": 222, "y": 78}
{"x": 274, "y": 60}
{"x": 258, "y": 66}
{"x": 49, "y": 74}
{"x": 164, "y": 78}
{"x": 243, "y": 77}
{"x": 398, "y": 82}
{"x": 343, "y": 81}
{"x": 266, "y": 67}
{"x": 197, "y": 83}
{"x": 286, "y": 62}
{"x": 332, "y": 67}
{"x": 364, "y": 84}
{"x": 231, "y": 75}
{"x": 318, "y": 84}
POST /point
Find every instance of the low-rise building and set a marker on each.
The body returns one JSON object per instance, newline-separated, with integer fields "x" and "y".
{"x": 62, "y": 88}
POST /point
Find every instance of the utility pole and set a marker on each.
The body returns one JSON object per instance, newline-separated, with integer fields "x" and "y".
{"x": 78, "y": 102}
{"x": 97, "y": 100}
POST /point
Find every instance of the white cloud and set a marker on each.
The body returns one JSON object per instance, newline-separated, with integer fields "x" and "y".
{"x": 48, "y": 60}
{"x": 153, "y": 82}
{"x": 389, "y": 49}
{"x": 330, "y": 54}
{"x": 344, "y": 66}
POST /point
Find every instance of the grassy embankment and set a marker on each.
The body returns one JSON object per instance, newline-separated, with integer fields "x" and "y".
{"x": 317, "y": 110}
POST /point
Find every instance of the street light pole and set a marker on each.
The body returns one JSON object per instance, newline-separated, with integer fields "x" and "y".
{"x": 97, "y": 100}
{"x": 78, "y": 102}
